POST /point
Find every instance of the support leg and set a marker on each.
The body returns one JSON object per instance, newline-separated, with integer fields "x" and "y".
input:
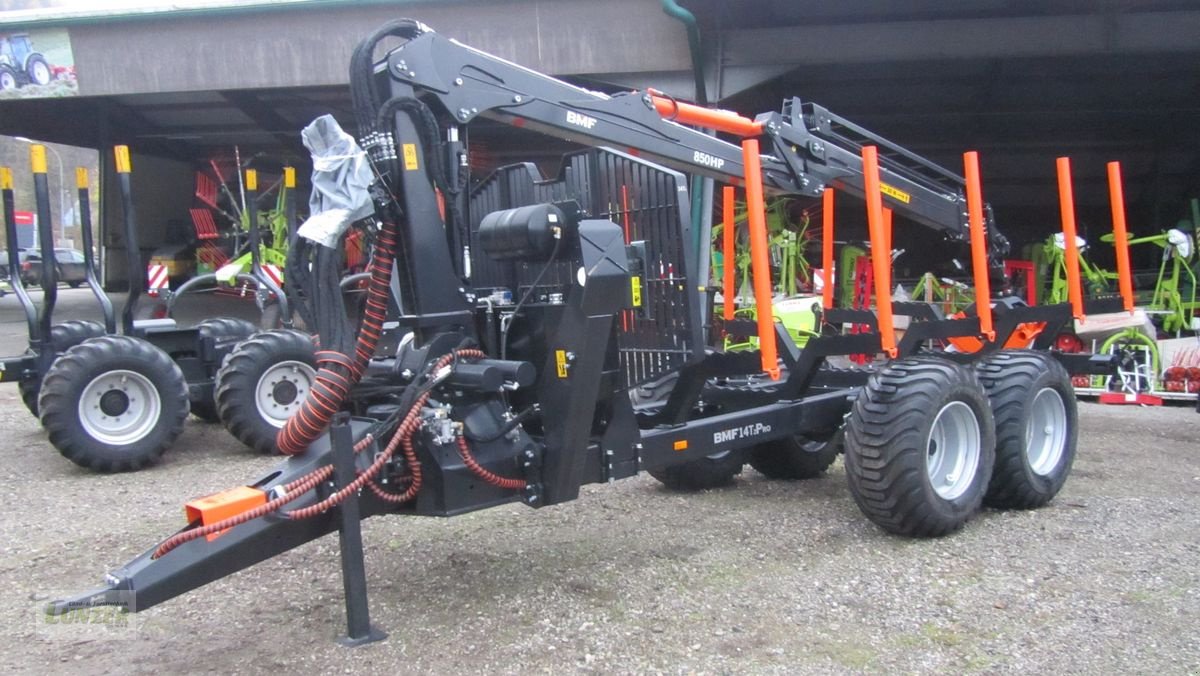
{"x": 354, "y": 575}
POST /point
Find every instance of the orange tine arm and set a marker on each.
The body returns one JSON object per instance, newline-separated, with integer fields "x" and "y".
{"x": 827, "y": 247}
{"x": 1066, "y": 203}
{"x": 1120, "y": 234}
{"x": 979, "y": 262}
{"x": 881, "y": 258}
{"x": 709, "y": 118}
{"x": 760, "y": 262}
{"x": 727, "y": 253}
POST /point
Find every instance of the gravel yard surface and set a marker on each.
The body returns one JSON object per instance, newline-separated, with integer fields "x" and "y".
{"x": 761, "y": 577}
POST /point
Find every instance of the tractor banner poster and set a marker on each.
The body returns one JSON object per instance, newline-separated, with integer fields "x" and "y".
{"x": 36, "y": 63}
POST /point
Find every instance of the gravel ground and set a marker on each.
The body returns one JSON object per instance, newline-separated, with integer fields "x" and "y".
{"x": 762, "y": 577}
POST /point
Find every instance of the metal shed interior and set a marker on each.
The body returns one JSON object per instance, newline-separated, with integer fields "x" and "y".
{"x": 1022, "y": 82}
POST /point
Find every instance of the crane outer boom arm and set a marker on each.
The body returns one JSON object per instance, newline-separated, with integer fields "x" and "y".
{"x": 811, "y": 148}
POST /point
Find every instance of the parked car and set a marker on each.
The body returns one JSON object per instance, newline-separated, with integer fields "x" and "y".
{"x": 21, "y": 254}
{"x": 71, "y": 270}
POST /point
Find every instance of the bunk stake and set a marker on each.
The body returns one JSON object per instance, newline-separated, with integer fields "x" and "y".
{"x": 354, "y": 574}
{"x": 760, "y": 262}
{"x": 979, "y": 261}
{"x": 728, "y": 254}
{"x": 881, "y": 256}
{"x": 827, "y": 247}
{"x": 89, "y": 258}
{"x": 1120, "y": 236}
{"x": 1066, "y": 203}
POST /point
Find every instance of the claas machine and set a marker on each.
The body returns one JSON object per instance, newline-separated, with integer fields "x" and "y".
{"x": 528, "y": 336}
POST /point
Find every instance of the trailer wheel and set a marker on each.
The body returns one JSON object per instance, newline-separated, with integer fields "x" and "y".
{"x": 1036, "y": 427}
{"x": 63, "y": 337}
{"x": 114, "y": 403}
{"x": 262, "y": 383}
{"x": 713, "y": 471}
{"x": 920, "y": 444}
{"x": 796, "y": 457}
{"x": 221, "y": 330}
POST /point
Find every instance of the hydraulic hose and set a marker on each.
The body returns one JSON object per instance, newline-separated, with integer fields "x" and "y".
{"x": 337, "y": 372}
{"x": 478, "y": 470}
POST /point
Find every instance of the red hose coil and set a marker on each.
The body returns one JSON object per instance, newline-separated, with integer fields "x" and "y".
{"x": 478, "y": 470}
{"x": 338, "y": 373}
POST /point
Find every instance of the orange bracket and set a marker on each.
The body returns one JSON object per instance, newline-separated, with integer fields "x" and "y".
{"x": 760, "y": 262}
{"x": 979, "y": 262}
{"x": 709, "y": 118}
{"x": 223, "y": 505}
{"x": 1066, "y": 203}
{"x": 881, "y": 258}
{"x": 728, "y": 254}
{"x": 827, "y": 248}
{"x": 1120, "y": 235}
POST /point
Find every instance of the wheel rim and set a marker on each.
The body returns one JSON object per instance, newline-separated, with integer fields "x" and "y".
{"x": 41, "y": 74}
{"x": 7, "y": 81}
{"x": 952, "y": 450}
{"x": 119, "y": 407}
{"x": 282, "y": 389}
{"x": 1046, "y": 436}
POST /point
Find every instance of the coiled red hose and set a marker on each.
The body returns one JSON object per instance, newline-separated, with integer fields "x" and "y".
{"x": 338, "y": 373}
{"x": 478, "y": 470}
{"x": 403, "y": 438}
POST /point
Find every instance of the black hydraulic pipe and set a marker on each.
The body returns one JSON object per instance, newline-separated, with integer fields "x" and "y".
{"x": 49, "y": 273}
{"x": 14, "y": 259}
{"x": 133, "y": 252}
{"x": 260, "y": 275}
{"x": 89, "y": 258}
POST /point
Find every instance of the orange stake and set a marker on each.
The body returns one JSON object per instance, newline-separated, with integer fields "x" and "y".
{"x": 1066, "y": 203}
{"x": 760, "y": 262}
{"x": 979, "y": 261}
{"x": 728, "y": 256}
{"x": 827, "y": 247}
{"x": 881, "y": 258}
{"x": 1120, "y": 235}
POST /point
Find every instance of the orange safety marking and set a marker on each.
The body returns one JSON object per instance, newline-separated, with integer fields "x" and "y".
{"x": 223, "y": 505}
